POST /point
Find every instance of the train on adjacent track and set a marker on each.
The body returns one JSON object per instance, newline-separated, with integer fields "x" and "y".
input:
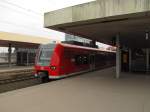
{"x": 55, "y": 61}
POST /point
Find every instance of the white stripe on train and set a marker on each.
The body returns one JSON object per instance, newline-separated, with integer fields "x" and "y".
{"x": 67, "y": 75}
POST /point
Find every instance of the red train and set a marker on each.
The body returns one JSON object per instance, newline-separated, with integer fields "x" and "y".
{"x": 60, "y": 60}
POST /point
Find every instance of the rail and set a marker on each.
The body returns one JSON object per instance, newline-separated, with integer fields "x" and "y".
{"x": 10, "y": 77}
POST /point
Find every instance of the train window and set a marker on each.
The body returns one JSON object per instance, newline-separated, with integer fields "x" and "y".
{"x": 81, "y": 59}
{"x": 78, "y": 59}
{"x": 45, "y": 56}
{"x": 45, "y": 53}
{"x": 85, "y": 59}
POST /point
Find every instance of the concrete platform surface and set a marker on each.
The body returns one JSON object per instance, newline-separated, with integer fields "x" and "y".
{"x": 15, "y": 71}
{"x": 14, "y": 68}
{"x": 96, "y": 91}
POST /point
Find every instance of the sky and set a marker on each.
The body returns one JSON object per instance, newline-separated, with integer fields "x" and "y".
{"x": 27, "y": 16}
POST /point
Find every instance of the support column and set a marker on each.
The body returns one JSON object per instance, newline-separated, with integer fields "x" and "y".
{"x": 16, "y": 54}
{"x": 9, "y": 55}
{"x": 130, "y": 59}
{"x": 21, "y": 60}
{"x": 118, "y": 57}
{"x": 147, "y": 60}
{"x": 27, "y": 57}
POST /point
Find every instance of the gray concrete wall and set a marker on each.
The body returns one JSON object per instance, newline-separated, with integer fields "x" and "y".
{"x": 94, "y": 10}
{"x": 58, "y": 17}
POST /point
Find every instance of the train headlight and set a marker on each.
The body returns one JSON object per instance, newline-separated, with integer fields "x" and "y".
{"x": 53, "y": 67}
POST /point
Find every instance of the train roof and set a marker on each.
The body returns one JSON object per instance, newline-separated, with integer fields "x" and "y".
{"x": 83, "y": 47}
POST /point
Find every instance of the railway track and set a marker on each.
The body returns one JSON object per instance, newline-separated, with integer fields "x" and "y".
{"x": 11, "y": 77}
{"x": 20, "y": 75}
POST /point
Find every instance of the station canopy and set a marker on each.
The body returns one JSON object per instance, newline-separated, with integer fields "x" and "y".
{"x": 103, "y": 20}
{"x": 21, "y": 41}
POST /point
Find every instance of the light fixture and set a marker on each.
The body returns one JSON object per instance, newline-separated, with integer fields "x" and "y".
{"x": 147, "y": 36}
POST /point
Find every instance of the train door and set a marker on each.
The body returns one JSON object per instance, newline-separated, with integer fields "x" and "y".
{"x": 92, "y": 61}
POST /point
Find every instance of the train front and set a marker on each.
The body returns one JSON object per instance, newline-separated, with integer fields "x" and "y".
{"x": 43, "y": 60}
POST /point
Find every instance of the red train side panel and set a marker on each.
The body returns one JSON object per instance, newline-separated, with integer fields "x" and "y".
{"x": 67, "y": 59}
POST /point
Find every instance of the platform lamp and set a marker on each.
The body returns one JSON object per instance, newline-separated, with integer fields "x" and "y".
{"x": 147, "y": 35}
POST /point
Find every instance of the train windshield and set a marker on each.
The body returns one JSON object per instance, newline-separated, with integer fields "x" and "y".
{"x": 45, "y": 54}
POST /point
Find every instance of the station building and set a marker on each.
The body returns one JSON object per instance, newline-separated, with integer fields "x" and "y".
{"x": 21, "y": 48}
{"x": 122, "y": 23}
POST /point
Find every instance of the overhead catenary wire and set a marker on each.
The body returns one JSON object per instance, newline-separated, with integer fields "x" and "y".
{"x": 11, "y": 7}
{"x": 25, "y": 12}
{"x": 20, "y": 7}
{"x": 21, "y": 12}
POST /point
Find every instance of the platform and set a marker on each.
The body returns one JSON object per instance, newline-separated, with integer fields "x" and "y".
{"x": 14, "y": 71}
{"x": 96, "y": 91}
